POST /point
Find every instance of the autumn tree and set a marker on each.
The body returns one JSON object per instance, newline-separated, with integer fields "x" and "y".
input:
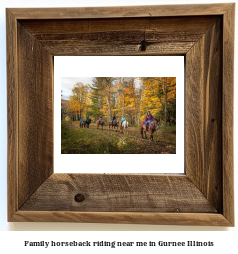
{"x": 171, "y": 98}
{"x": 165, "y": 101}
{"x": 133, "y": 99}
{"x": 77, "y": 103}
{"x": 122, "y": 84}
{"x": 108, "y": 93}
{"x": 159, "y": 96}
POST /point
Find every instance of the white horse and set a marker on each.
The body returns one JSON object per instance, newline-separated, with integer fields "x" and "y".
{"x": 124, "y": 126}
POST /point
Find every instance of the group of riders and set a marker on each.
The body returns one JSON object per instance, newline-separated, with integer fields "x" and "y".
{"x": 87, "y": 120}
{"x": 113, "y": 119}
{"x": 150, "y": 124}
{"x": 148, "y": 119}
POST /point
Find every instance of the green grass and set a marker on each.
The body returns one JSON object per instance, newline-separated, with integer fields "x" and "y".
{"x": 92, "y": 141}
{"x": 75, "y": 140}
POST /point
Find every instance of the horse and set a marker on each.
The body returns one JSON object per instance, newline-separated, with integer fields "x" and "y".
{"x": 87, "y": 122}
{"x": 124, "y": 126}
{"x": 82, "y": 124}
{"x": 114, "y": 124}
{"x": 102, "y": 122}
{"x": 153, "y": 126}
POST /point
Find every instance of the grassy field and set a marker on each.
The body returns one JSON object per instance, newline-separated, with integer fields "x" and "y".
{"x": 76, "y": 140}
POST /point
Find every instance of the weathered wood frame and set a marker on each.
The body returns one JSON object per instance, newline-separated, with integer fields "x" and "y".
{"x": 204, "y": 34}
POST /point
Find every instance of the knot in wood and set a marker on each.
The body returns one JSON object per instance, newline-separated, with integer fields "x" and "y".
{"x": 79, "y": 198}
{"x": 143, "y": 45}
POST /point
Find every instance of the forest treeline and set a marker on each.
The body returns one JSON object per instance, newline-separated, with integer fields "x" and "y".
{"x": 129, "y": 96}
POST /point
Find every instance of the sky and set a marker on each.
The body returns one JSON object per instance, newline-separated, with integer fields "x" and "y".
{"x": 67, "y": 84}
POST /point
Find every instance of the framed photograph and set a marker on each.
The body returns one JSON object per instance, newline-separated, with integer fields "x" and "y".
{"x": 41, "y": 126}
{"x": 124, "y": 104}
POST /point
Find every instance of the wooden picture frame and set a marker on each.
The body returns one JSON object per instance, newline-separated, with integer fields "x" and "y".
{"x": 204, "y": 34}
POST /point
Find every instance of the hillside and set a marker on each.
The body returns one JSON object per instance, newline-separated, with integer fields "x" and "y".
{"x": 64, "y": 103}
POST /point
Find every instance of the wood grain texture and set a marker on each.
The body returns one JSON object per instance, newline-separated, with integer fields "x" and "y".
{"x": 114, "y": 193}
{"x": 72, "y": 48}
{"x": 189, "y": 26}
{"x": 119, "y": 36}
{"x": 204, "y": 115}
{"x": 35, "y": 114}
{"x": 227, "y": 113}
{"x": 12, "y": 117}
{"x": 192, "y": 219}
{"x": 121, "y": 11}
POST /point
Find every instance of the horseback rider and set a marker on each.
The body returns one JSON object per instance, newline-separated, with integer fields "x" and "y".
{"x": 113, "y": 119}
{"x": 122, "y": 120}
{"x": 100, "y": 118}
{"x": 87, "y": 119}
{"x": 148, "y": 119}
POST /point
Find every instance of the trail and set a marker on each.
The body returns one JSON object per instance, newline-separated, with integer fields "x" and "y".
{"x": 118, "y": 133}
{"x": 139, "y": 145}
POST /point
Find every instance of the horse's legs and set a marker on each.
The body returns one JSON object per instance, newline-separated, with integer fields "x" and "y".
{"x": 145, "y": 133}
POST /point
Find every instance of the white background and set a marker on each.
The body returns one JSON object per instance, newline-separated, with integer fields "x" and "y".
{"x": 123, "y": 66}
{"x": 12, "y": 241}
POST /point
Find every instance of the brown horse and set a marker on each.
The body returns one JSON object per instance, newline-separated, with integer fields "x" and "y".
{"x": 114, "y": 124}
{"x": 82, "y": 124}
{"x": 102, "y": 122}
{"x": 151, "y": 128}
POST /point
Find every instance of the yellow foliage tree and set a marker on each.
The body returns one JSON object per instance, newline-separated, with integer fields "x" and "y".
{"x": 129, "y": 96}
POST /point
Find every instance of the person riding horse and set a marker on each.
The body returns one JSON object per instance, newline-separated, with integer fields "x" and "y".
{"x": 81, "y": 123}
{"x": 100, "y": 121}
{"x": 113, "y": 119}
{"x": 100, "y": 118}
{"x": 148, "y": 119}
{"x": 150, "y": 124}
{"x": 87, "y": 121}
{"x": 113, "y": 123}
{"x": 123, "y": 119}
